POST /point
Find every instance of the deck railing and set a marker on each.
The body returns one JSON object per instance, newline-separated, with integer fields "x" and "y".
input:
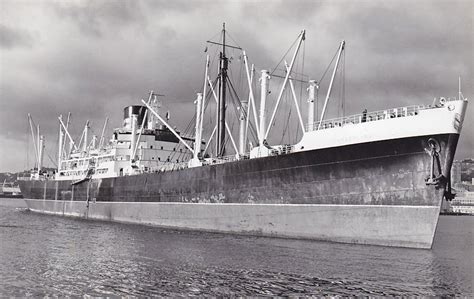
{"x": 221, "y": 160}
{"x": 367, "y": 117}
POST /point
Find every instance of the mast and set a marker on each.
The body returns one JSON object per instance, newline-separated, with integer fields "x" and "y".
{"x": 60, "y": 145}
{"x": 341, "y": 48}
{"x": 222, "y": 98}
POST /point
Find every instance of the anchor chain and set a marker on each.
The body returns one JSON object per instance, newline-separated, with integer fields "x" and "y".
{"x": 448, "y": 194}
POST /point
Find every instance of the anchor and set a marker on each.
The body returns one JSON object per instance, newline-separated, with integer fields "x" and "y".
{"x": 438, "y": 180}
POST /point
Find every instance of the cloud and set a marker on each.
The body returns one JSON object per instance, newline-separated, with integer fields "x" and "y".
{"x": 12, "y": 38}
{"x": 96, "y": 17}
{"x": 95, "y": 57}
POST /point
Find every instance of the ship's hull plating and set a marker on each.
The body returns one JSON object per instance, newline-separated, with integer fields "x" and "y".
{"x": 370, "y": 193}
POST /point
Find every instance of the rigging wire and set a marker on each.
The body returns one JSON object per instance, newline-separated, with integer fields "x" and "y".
{"x": 286, "y": 53}
{"x": 251, "y": 127}
{"x": 208, "y": 102}
{"x": 236, "y": 103}
{"x": 230, "y": 36}
{"x": 329, "y": 65}
{"x": 52, "y": 161}
{"x": 285, "y": 128}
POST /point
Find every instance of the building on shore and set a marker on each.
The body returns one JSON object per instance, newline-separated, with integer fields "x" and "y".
{"x": 463, "y": 203}
{"x": 462, "y": 175}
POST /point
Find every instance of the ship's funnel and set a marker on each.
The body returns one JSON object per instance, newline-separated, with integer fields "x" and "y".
{"x": 127, "y": 115}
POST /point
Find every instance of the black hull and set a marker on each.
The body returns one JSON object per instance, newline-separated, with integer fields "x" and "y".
{"x": 391, "y": 172}
{"x": 371, "y": 193}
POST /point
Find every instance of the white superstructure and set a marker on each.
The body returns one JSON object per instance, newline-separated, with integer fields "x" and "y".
{"x": 133, "y": 149}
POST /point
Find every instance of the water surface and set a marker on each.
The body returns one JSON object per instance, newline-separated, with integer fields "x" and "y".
{"x": 43, "y": 255}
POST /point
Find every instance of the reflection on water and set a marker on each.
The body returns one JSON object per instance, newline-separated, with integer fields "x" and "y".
{"x": 45, "y": 255}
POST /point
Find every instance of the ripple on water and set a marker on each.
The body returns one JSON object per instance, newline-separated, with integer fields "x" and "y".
{"x": 52, "y": 256}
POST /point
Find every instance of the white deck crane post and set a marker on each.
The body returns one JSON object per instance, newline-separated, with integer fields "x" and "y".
{"x": 197, "y": 134}
{"x": 134, "y": 136}
{"x": 311, "y": 93}
{"x": 264, "y": 81}
{"x": 242, "y": 121}
{"x": 41, "y": 152}
{"x": 341, "y": 48}
{"x": 197, "y": 137}
{"x": 60, "y": 145}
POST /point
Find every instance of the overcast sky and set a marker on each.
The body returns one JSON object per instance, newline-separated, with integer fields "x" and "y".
{"x": 95, "y": 57}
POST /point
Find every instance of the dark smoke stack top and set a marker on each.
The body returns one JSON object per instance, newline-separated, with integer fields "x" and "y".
{"x": 134, "y": 109}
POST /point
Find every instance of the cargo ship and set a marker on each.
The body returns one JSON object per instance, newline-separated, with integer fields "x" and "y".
{"x": 378, "y": 177}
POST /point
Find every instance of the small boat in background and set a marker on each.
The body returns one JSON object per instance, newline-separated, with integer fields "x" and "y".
{"x": 10, "y": 190}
